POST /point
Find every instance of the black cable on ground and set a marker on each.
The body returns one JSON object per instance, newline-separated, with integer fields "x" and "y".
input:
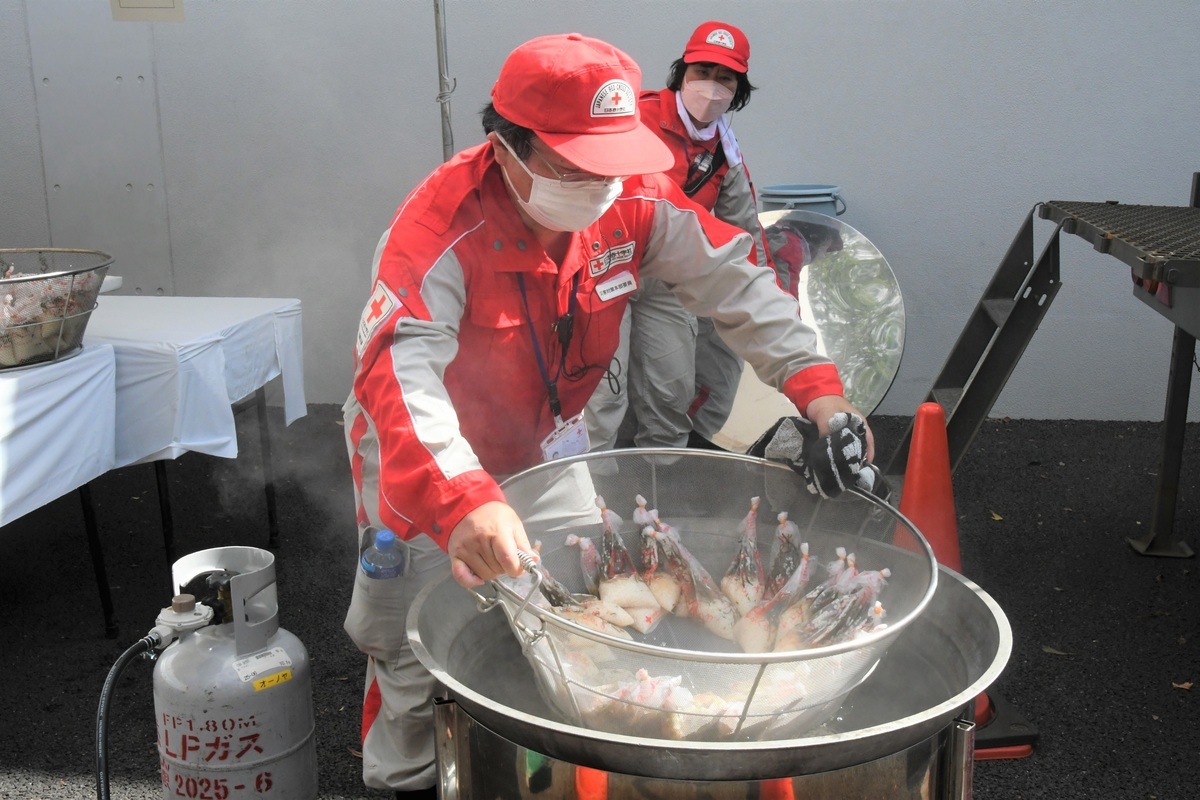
{"x": 143, "y": 645}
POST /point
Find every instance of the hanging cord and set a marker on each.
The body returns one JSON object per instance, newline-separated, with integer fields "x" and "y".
{"x": 612, "y": 372}
{"x": 142, "y": 646}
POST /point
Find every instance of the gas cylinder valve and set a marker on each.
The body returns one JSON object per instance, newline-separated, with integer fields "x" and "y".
{"x": 183, "y": 615}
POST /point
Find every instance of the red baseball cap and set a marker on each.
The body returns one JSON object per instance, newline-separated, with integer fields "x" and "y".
{"x": 718, "y": 43}
{"x": 580, "y": 96}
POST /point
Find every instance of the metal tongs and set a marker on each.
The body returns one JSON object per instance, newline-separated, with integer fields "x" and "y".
{"x": 535, "y": 569}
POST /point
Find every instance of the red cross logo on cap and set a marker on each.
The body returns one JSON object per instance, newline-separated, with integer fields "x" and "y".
{"x": 721, "y": 37}
{"x": 613, "y": 99}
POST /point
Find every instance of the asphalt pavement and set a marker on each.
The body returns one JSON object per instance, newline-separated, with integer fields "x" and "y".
{"x": 1105, "y": 666}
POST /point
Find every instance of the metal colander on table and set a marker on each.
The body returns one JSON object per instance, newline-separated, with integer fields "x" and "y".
{"x": 46, "y": 297}
{"x": 679, "y": 680}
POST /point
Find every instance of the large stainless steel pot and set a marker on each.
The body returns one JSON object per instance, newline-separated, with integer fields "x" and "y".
{"x": 911, "y": 716}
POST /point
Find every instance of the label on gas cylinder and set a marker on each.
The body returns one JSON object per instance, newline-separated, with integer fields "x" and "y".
{"x": 268, "y": 662}
{"x": 267, "y": 681}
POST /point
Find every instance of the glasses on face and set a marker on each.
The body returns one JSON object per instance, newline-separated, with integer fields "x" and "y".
{"x": 569, "y": 179}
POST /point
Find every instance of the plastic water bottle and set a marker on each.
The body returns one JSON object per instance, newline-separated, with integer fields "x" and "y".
{"x": 384, "y": 559}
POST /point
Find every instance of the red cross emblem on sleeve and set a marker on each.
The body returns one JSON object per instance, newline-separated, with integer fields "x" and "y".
{"x": 379, "y": 307}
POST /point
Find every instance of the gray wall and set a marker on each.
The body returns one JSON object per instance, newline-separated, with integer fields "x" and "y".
{"x": 259, "y": 147}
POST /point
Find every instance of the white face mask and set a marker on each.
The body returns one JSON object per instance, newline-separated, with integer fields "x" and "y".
{"x": 564, "y": 208}
{"x": 706, "y": 100}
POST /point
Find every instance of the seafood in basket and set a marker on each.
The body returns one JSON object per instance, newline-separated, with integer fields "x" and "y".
{"x": 43, "y": 314}
{"x": 795, "y": 605}
{"x": 673, "y": 581}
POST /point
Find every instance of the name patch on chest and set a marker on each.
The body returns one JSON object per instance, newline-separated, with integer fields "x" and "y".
{"x": 617, "y": 285}
{"x": 610, "y": 258}
{"x": 379, "y": 308}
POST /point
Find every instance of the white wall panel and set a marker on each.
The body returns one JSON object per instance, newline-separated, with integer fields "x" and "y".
{"x": 23, "y": 216}
{"x": 98, "y": 122}
{"x": 281, "y": 135}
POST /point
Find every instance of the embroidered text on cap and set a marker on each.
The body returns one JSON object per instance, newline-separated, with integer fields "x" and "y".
{"x": 614, "y": 99}
{"x": 721, "y": 38}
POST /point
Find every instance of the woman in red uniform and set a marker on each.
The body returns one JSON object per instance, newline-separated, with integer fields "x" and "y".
{"x": 681, "y": 377}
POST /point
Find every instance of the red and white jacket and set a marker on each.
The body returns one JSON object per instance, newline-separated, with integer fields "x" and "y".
{"x": 447, "y": 390}
{"x": 729, "y": 193}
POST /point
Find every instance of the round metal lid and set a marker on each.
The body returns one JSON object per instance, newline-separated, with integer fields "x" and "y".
{"x": 849, "y": 295}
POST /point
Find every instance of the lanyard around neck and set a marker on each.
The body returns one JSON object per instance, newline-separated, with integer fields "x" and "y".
{"x": 565, "y": 328}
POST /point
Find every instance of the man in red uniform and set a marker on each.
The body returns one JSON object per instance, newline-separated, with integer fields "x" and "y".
{"x": 497, "y": 294}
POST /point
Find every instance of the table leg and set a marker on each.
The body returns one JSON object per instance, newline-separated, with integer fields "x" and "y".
{"x": 164, "y": 508}
{"x": 111, "y": 629}
{"x": 264, "y": 437}
{"x": 1160, "y": 540}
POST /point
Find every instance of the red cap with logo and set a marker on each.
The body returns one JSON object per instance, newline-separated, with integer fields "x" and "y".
{"x": 579, "y": 95}
{"x": 718, "y": 43}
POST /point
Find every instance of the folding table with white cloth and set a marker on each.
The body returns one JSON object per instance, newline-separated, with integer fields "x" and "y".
{"x": 56, "y": 434}
{"x": 182, "y": 365}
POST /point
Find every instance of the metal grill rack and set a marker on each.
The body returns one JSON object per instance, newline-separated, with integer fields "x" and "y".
{"x": 1160, "y": 243}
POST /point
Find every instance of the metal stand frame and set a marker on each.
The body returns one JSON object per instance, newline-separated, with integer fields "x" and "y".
{"x": 111, "y": 628}
{"x": 1155, "y": 242}
{"x": 995, "y": 337}
{"x": 1160, "y": 244}
{"x": 1160, "y": 539}
{"x": 1006, "y": 734}
{"x": 1003, "y": 324}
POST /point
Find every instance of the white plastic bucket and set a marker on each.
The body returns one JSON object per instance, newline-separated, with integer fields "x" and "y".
{"x": 818, "y": 197}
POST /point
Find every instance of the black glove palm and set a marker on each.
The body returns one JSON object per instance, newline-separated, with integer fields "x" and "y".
{"x": 828, "y": 463}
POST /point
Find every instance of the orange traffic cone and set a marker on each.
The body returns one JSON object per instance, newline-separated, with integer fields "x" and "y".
{"x": 927, "y": 501}
{"x": 927, "y": 496}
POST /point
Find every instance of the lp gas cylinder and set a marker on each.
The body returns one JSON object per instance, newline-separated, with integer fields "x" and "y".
{"x": 233, "y": 700}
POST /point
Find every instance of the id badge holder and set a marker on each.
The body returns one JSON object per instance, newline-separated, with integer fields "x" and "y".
{"x": 570, "y": 438}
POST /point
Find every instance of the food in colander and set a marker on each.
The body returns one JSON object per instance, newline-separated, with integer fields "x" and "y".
{"x": 590, "y": 611}
{"x": 743, "y": 581}
{"x": 784, "y": 562}
{"x": 649, "y": 696}
{"x": 589, "y": 561}
{"x": 755, "y": 632}
{"x": 657, "y": 573}
{"x": 843, "y": 605}
{"x": 700, "y": 597}
{"x": 33, "y": 315}
{"x": 660, "y": 706}
{"x": 620, "y": 583}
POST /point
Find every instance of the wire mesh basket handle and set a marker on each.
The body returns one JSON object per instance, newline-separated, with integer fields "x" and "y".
{"x": 485, "y": 604}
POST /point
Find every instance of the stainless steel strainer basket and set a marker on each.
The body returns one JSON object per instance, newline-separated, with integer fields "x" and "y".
{"x": 46, "y": 297}
{"x": 679, "y": 680}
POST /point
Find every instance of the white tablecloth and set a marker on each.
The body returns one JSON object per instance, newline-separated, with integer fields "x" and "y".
{"x": 56, "y": 428}
{"x": 183, "y": 361}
